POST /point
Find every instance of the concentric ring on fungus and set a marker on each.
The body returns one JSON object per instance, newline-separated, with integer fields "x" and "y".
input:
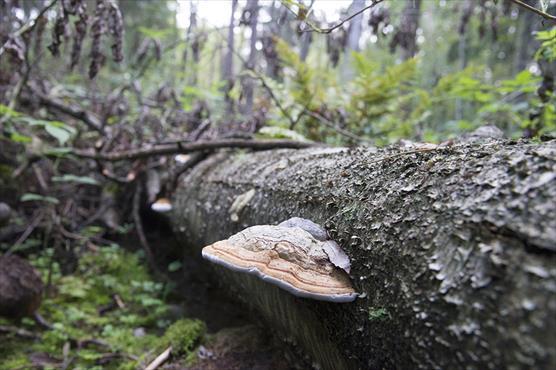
{"x": 288, "y": 257}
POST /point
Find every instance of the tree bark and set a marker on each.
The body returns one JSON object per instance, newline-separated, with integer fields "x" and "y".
{"x": 253, "y": 6}
{"x": 406, "y": 35}
{"x": 355, "y": 26}
{"x": 452, "y": 249}
{"x": 228, "y": 62}
{"x": 353, "y": 37}
{"x": 526, "y": 44}
{"x": 192, "y": 43}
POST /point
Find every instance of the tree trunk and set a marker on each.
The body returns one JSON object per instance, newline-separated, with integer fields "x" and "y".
{"x": 467, "y": 12}
{"x": 453, "y": 250}
{"x": 353, "y": 37}
{"x": 355, "y": 25}
{"x": 406, "y": 36}
{"x": 228, "y": 63}
{"x": 248, "y": 85}
{"x": 192, "y": 43}
{"x": 526, "y": 43}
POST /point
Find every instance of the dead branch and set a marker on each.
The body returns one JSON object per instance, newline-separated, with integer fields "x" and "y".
{"x": 188, "y": 147}
{"x": 139, "y": 227}
{"x": 89, "y": 119}
{"x": 313, "y": 28}
{"x": 325, "y": 121}
{"x": 545, "y": 15}
{"x": 160, "y": 359}
{"x": 19, "y": 332}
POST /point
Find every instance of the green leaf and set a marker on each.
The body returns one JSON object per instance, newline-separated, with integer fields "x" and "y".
{"x": 59, "y": 152}
{"x": 61, "y": 134}
{"x": 174, "y": 266}
{"x": 77, "y": 179}
{"x": 7, "y": 111}
{"x": 18, "y": 138}
{"x": 27, "y": 197}
{"x": 274, "y": 132}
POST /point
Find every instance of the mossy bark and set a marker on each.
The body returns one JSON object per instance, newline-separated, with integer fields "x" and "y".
{"x": 453, "y": 249}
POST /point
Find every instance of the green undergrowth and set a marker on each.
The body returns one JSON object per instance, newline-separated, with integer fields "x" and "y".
{"x": 89, "y": 326}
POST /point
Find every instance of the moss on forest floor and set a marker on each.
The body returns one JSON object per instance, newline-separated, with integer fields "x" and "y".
{"x": 108, "y": 314}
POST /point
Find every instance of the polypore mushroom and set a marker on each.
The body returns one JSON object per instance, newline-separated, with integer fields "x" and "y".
{"x": 288, "y": 257}
{"x": 162, "y": 205}
{"x": 335, "y": 254}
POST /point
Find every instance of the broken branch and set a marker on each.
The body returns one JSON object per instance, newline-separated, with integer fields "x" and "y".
{"x": 187, "y": 147}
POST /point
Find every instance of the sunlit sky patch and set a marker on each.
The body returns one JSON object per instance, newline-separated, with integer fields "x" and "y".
{"x": 217, "y": 12}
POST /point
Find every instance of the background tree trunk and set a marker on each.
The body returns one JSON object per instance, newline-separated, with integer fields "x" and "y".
{"x": 228, "y": 62}
{"x": 406, "y": 35}
{"x": 253, "y": 8}
{"x": 467, "y": 12}
{"x": 353, "y": 37}
{"x": 192, "y": 43}
{"x": 453, "y": 250}
{"x": 526, "y": 42}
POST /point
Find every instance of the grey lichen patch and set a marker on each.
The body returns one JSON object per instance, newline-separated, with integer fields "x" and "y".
{"x": 240, "y": 203}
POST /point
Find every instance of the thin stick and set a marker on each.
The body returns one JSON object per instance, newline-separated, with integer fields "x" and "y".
{"x": 160, "y": 359}
{"x": 29, "y": 26}
{"x": 314, "y": 28}
{"x": 27, "y": 232}
{"x": 139, "y": 227}
{"x": 325, "y": 121}
{"x": 182, "y": 148}
{"x": 19, "y": 332}
{"x": 545, "y": 15}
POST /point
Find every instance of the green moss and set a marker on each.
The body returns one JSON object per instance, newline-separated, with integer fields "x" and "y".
{"x": 184, "y": 335}
{"x": 13, "y": 353}
{"x": 378, "y": 314}
{"x": 73, "y": 305}
{"x": 17, "y": 361}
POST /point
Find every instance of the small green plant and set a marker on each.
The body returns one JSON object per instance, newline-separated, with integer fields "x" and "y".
{"x": 183, "y": 336}
{"x": 109, "y": 299}
{"x": 378, "y": 314}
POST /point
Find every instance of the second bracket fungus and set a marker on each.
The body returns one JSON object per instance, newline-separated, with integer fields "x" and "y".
{"x": 288, "y": 257}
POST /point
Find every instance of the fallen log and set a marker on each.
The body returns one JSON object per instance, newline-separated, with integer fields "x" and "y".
{"x": 453, "y": 249}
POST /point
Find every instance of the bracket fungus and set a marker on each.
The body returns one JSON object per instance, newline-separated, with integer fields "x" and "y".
{"x": 162, "y": 205}
{"x": 289, "y": 257}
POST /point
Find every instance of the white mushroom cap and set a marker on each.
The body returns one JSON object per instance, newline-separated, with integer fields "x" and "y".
{"x": 290, "y": 258}
{"x": 182, "y": 158}
{"x": 162, "y": 205}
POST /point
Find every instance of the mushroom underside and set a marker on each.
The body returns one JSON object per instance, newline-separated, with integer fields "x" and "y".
{"x": 266, "y": 265}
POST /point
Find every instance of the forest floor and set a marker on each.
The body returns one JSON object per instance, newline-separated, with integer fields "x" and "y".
{"x": 109, "y": 312}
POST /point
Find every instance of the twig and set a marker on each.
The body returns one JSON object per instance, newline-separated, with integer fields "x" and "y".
{"x": 325, "y": 121}
{"x": 29, "y": 26}
{"x": 545, "y": 15}
{"x": 41, "y": 321}
{"x": 179, "y": 148}
{"x": 160, "y": 359}
{"x": 139, "y": 227}
{"x": 259, "y": 77}
{"x": 19, "y": 332}
{"x": 26, "y": 233}
{"x": 87, "y": 118}
{"x": 313, "y": 28}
